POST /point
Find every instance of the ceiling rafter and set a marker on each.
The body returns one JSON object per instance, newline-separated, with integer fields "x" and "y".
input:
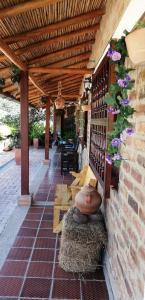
{"x": 51, "y": 70}
{"x": 17, "y": 61}
{"x": 55, "y": 26}
{"x": 25, "y": 6}
{"x": 55, "y": 40}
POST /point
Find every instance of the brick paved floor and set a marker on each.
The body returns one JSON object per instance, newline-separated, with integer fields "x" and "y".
{"x": 31, "y": 270}
{"x": 10, "y": 177}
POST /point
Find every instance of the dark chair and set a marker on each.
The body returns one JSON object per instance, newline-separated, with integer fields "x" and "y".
{"x": 69, "y": 161}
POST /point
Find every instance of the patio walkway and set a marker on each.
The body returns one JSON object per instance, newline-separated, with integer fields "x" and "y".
{"x": 31, "y": 270}
{"x": 10, "y": 175}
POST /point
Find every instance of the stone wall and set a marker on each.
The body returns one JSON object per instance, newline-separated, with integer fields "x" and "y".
{"x": 125, "y": 210}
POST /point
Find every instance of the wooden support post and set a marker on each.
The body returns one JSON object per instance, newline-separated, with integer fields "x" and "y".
{"x": 54, "y": 123}
{"x": 47, "y": 131}
{"x": 25, "y": 198}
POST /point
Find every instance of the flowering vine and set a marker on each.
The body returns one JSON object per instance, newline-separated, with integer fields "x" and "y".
{"x": 118, "y": 102}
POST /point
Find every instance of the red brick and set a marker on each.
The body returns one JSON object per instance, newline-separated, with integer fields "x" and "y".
{"x": 140, "y": 197}
{"x": 132, "y": 95}
{"x": 142, "y": 253}
{"x": 128, "y": 184}
{"x": 132, "y": 236}
{"x": 142, "y": 215}
{"x": 140, "y": 108}
{"x": 126, "y": 166}
{"x": 128, "y": 288}
{"x": 141, "y": 160}
{"x": 136, "y": 175}
{"x": 133, "y": 204}
{"x": 140, "y": 127}
{"x": 139, "y": 227}
{"x": 125, "y": 236}
{"x": 134, "y": 257}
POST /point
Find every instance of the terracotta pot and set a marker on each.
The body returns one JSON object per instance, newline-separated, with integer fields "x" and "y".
{"x": 135, "y": 42}
{"x": 36, "y": 143}
{"x": 86, "y": 107}
{"x": 88, "y": 200}
{"x": 18, "y": 156}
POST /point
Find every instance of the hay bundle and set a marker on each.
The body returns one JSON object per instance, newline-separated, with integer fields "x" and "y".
{"x": 81, "y": 245}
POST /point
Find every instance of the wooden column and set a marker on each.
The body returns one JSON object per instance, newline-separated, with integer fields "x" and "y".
{"x": 24, "y": 133}
{"x": 54, "y": 124}
{"x": 47, "y": 130}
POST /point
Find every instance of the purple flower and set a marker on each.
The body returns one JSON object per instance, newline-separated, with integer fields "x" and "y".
{"x": 110, "y": 109}
{"x": 116, "y": 142}
{"x": 117, "y": 157}
{"x": 127, "y": 77}
{"x": 116, "y": 56}
{"x": 116, "y": 111}
{"x": 122, "y": 82}
{"x": 109, "y": 159}
{"x": 125, "y": 133}
{"x": 110, "y": 52}
{"x": 124, "y": 102}
{"x": 129, "y": 131}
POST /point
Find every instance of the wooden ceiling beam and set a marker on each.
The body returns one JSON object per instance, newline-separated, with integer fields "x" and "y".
{"x": 24, "y": 6}
{"x": 64, "y": 83}
{"x": 17, "y": 61}
{"x": 62, "y": 52}
{"x": 58, "y": 39}
{"x": 43, "y": 70}
{"x": 65, "y": 96}
{"x": 55, "y": 26}
{"x": 53, "y": 90}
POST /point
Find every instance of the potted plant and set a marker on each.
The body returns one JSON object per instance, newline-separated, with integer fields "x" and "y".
{"x": 135, "y": 43}
{"x": 36, "y": 133}
{"x": 17, "y": 147}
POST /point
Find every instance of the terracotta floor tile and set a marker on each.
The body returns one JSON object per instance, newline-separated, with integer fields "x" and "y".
{"x": 36, "y": 287}
{"x": 65, "y": 289}
{"x": 43, "y": 255}
{"x": 47, "y": 217}
{"x": 19, "y": 254}
{"x": 46, "y": 224}
{"x": 13, "y": 268}
{"x": 10, "y": 286}
{"x": 60, "y": 273}
{"x": 27, "y": 232}
{"x": 36, "y": 210}
{"x": 46, "y": 233}
{"x": 94, "y": 290}
{"x": 45, "y": 243}
{"x": 24, "y": 242}
{"x": 98, "y": 275}
{"x": 30, "y": 224}
{"x": 40, "y": 269}
{"x": 31, "y": 216}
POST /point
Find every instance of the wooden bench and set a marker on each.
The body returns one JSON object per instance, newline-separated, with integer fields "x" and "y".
{"x": 65, "y": 195}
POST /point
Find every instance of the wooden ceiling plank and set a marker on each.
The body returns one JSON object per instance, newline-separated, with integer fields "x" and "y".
{"x": 51, "y": 70}
{"x": 25, "y": 6}
{"x": 53, "y": 41}
{"x": 58, "y": 53}
{"x": 17, "y": 61}
{"x": 55, "y": 26}
{"x": 66, "y": 96}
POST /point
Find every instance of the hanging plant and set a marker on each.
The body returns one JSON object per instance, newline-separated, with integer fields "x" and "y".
{"x": 2, "y": 82}
{"x": 118, "y": 102}
{"x": 15, "y": 77}
{"x": 44, "y": 99}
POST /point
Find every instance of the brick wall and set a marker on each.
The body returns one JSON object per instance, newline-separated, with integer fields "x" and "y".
{"x": 125, "y": 210}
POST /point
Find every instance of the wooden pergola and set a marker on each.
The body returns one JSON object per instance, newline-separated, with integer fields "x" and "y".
{"x": 49, "y": 41}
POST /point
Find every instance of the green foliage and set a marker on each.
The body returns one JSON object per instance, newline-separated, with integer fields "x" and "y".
{"x": 117, "y": 95}
{"x": 14, "y": 124}
{"x": 16, "y": 72}
{"x": 37, "y": 131}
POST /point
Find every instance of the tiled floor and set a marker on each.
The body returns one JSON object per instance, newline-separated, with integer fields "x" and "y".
{"x": 31, "y": 270}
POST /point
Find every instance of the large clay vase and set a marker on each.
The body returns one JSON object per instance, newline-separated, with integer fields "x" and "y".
{"x": 18, "y": 156}
{"x": 35, "y": 143}
{"x": 135, "y": 42}
{"x": 88, "y": 200}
